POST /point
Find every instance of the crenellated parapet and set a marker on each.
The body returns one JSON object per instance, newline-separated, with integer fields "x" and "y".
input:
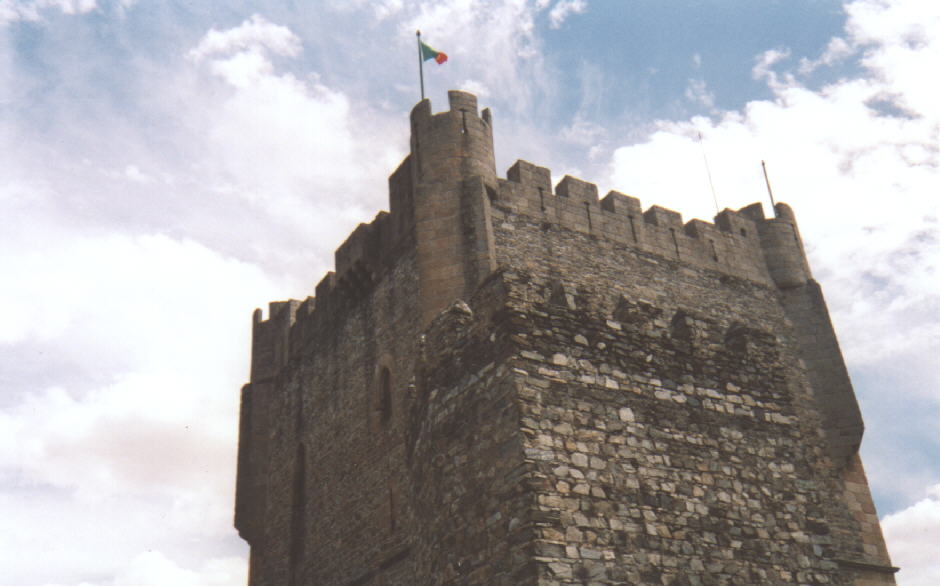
{"x": 438, "y": 216}
{"x": 446, "y": 195}
{"x": 742, "y": 243}
{"x": 269, "y": 351}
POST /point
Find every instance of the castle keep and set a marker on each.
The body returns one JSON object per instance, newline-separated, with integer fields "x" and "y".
{"x": 509, "y": 383}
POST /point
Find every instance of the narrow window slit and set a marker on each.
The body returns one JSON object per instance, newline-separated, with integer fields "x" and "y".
{"x": 298, "y": 516}
{"x": 672, "y": 232}
{"x": 385, "y": 396}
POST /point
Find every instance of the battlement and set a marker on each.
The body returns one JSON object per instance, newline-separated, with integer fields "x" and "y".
{"x": 742, "y": 243}
{"x": 452, "y": 151}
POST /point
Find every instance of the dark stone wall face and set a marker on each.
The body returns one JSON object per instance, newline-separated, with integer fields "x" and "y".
{"x": 347, "y": 517}
{"x": 674, "y": 430}
{"x": 668, "y": 462}
{"x": 473, "y": 504}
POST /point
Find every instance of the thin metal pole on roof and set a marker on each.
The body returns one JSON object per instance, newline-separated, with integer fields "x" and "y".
{"x": 709, "y": 172}
{"x": 770, "y": 192}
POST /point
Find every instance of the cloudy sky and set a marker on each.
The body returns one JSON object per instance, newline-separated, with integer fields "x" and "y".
{"x": 166, "y": 167}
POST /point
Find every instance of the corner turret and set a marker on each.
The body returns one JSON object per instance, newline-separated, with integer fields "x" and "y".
{"x": 783, "y": 248}
{"x": 453, "y": 172}
{"x": 803, "y": 301}
{"x": 451, "y": 144}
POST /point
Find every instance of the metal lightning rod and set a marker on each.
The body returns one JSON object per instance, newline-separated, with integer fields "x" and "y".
{"x": 708, "y": 171}
{"x": 770, "y": 192}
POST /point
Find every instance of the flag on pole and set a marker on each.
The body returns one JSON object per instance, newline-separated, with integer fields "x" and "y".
{"x": 429, "y": 53}
{"x": 425, "y": 53}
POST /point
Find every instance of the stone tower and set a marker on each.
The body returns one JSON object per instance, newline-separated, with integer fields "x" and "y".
{"x": 506, "y": 383}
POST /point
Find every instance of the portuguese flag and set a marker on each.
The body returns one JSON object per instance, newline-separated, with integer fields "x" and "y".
{"x": 429, "y": 53}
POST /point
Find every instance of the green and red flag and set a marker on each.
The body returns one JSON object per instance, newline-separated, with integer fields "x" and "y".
{"x": 429, "y": 53}
{"x": 425, "y": 53}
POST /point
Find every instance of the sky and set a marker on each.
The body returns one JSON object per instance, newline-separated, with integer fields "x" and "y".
{"x": 166, "y": 167}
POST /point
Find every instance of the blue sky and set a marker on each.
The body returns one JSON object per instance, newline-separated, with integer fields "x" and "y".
{"x": 166, "y": 167}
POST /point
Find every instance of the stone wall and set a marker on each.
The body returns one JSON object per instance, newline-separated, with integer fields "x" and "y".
{"x": 681, "y": 393}
{"x": 333, "y": 471}
{"x": 505, "y": 383}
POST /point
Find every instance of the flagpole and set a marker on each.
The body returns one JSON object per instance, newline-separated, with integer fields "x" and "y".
{"x": 420, "y": 65}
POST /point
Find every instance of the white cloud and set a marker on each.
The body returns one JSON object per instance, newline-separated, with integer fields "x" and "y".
{"x": 583, "y": 132}
{"x": 388, "y": 8}
{"x": 134, "y": 173}
{"x": 133, "y": 276}
{"x": 837, "y": 50}
{"x": 166, "y": 418}
{"x": 497, "y": 45}
{"x": 913, "y": 535}
{"x": 863, "y": 186}
{"x": 763, "y": 68}
{"x": 476, "y": 88}
{"x": 254, "y": 34}
{"x": 155, "y": 569}
{"x": 143, "y": 434}
{"x": 289, "y": 147}
{"x": 697, "y": 91}
{"x": 563, "y": 9}
{"x": 14, "y": 10}
{"x": 94, "y": 540}
{"x": 300, "y": 138}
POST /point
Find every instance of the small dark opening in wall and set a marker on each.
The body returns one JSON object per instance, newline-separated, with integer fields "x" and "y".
{"x": 385, "y": 396}
{"x": 491, "y": 193}
{"x": 736, "y": 339}
{"x": 675, "y": 243}
{"x": 743, "y": 232}
{"x": 680, "y": 327}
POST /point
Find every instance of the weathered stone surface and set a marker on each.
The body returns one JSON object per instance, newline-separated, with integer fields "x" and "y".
{"x": 504, "y": 385}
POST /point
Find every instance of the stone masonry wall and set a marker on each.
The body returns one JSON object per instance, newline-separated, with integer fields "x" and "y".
{"x": 335, "y": 510}
{"x": 666, "y": 408}
{"x": 473, "y": 503}
{"x": 618, "y": 398}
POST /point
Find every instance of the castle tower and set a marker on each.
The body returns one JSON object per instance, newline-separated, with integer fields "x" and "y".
{"x": 453, "y": 170}
{"x": 509, "y": 383}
